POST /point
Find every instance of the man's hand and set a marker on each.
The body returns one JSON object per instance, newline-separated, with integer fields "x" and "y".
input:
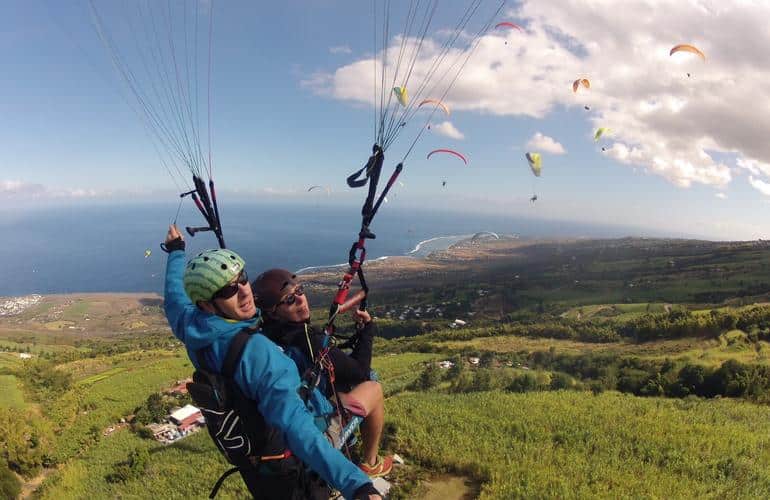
{"x": 173, "y": 233}
{"x": 361, "y": 317}
{"x": 174, "y": 240}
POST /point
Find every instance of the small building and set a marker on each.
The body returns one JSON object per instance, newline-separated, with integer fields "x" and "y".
{"x": 474, "y": 360}
{"x": 25, "y": 355}
{"x": 184, "y": 413}
{"x": 163, "y": 432}
{"x": 180, "y": 387}
{"x": 190, "y": 422}
{"x": 446, "y": 364}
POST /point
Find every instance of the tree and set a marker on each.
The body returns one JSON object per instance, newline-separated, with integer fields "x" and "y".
{"x": 430, "y": 377}
{"x": 132, "y": 468}
{"x": 525, "y": 382}
{"x": 560, "y": 380}
{"x": 457, "y": 367}
{"x": 10, "y": 486}
{"x": 487, "y": 359}
{"x": 482, "y": 381}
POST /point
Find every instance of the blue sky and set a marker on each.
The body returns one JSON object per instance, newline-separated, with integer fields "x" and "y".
{"x": 290, "y": 110}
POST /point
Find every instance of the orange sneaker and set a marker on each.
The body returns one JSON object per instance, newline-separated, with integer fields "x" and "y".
{"x": 381, "y": 468}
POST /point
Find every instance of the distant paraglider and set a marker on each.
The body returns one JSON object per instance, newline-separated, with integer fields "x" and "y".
{"x": 584, "y": 82}
{"x": 535, "y": 163}
{"x": 684, "y": 47}
{"x": 326, "y": 188}
{"x": 402, "y": 95}
{"x": 601, "y": 131}
{"x": 508, "y": 25}
{"x": 485, "y": 235}
{"x": 448, "y": 151}
{"x": 437, "y": 103}
{"x": 147, "y": 253}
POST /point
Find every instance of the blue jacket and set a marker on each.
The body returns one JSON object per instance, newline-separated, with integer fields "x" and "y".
{"x": 266, "y": 375}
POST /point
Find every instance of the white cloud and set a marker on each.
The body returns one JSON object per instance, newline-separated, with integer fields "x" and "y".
{"x": 721, "y": 196}
{"x": 340, "y": 49}
{"x": 663, "y": 121}
{"x": 18, "y": 189}
{"x": 545, "y": 144}
{"x": 13, "y": 188}
{"x": 448, "y": 130}
{"x": 761, "y": 186}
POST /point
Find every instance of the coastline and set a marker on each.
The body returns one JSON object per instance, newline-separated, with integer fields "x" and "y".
{"x": 452, "y": 240}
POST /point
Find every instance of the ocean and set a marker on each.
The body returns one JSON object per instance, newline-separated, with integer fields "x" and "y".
{"x": 102, "y": 248}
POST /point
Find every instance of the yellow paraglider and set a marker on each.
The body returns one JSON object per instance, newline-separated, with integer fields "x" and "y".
{"x": 580, "y": 81}
{"x": 684, "y": 47}
{"x": 535, "y": 163}
{"x": 402, "y": 95}
{"x": 600, "y": 132}
{"x": 147, "y": 253}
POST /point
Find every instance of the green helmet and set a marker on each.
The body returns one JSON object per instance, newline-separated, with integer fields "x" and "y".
{"x": 210, "y": 271}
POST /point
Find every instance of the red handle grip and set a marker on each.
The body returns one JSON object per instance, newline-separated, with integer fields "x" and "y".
{"x": 352, "y": 302}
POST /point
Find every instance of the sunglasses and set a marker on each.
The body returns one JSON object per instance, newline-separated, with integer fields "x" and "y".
{"x": 231, "y": 289}
{"x": 292, "y": 297}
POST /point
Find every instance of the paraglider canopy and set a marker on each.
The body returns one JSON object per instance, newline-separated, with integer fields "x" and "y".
{"x": 506, "y": 24}
{"x": 580, "y": 81}
{"x": 448, "y": 151}
{"x": 535, "y": 163}
{"x": 485, "y": 235}
{"x": 402, "y": 95}
{"x": 600, "y": 132}
{"x": 437, "y": 103}
{"x": 147, "y": 253}
{"x": 685, "y": 47}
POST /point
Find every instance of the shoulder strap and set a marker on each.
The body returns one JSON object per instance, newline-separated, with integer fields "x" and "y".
{"x": 234, "y": 352}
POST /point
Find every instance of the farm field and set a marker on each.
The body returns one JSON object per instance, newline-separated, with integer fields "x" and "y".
{"x": 559, "y": 389}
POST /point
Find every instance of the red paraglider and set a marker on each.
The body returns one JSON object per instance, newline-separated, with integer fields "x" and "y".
{"x": 506, "y": 24}
{"x": 449, "y": 151}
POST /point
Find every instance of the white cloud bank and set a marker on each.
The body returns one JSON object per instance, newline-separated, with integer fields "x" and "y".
{"x": 544, "y": 144}
{"x": 670, "y": 124}
{"x": 447, "y": 130}
{"x": 18, "y": 189}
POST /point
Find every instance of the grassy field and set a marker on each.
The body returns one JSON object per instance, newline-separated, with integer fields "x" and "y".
{"x": 541, "y": 444}
{"x": 709, "y": 352}
{"x": 574, "y": 445}
{"x": 105, "y": 398}
{"x": 187, "y": 469}
{"x": 12, "y": 397}
{"x": 399, "y": 370}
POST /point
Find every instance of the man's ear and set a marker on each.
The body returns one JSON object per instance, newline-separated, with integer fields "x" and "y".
{"x": 207, "y": 306}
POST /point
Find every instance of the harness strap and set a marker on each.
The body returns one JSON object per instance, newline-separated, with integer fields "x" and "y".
{"x": 232, "y": 358}
{"x": 234, "y": 352}
{"x": 221, "y": 480}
